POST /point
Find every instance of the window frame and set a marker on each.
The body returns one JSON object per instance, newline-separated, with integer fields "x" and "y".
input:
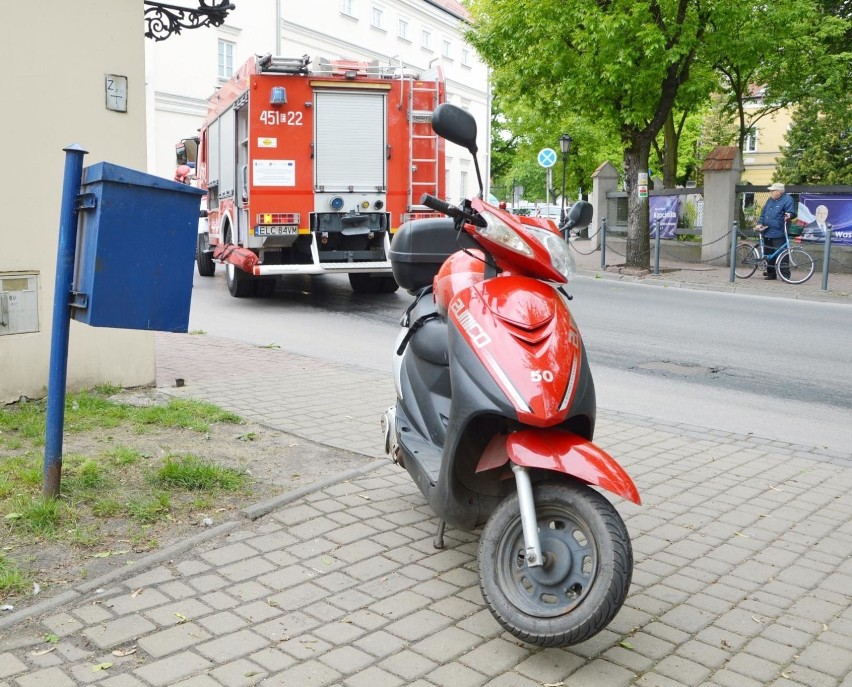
{"x": 225, "y": 51}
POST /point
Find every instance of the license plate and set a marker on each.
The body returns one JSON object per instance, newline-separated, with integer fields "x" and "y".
{"x": 277, "y": 230}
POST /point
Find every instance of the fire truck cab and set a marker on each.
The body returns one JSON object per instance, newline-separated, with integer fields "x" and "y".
{"x": 310, "y": 170}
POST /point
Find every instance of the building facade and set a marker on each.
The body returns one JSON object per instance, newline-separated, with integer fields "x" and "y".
{"x": 181, "y": 75}
{"x": 61, "y": 88}
{"x": 762, "y": 147}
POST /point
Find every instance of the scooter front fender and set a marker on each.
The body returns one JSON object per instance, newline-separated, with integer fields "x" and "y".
{"x": 561, "y": 451}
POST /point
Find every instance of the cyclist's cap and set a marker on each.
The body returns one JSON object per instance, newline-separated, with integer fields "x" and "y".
{"x": 777, "y": 187}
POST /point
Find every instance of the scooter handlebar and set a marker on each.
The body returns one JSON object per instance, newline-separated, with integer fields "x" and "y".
{"x": 453, "y": 211}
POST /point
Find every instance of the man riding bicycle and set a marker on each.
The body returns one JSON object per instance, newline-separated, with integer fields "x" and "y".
{"x": 779, "y": 210}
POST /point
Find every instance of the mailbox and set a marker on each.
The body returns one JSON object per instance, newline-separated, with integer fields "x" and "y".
{"x": 135, "y": 250}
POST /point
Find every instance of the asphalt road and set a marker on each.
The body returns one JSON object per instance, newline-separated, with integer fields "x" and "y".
{"x": 777, "y": 368}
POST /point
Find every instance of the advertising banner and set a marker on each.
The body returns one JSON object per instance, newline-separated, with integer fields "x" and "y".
{"x": 817, "y": 210}
{"x": 664, "y": 209}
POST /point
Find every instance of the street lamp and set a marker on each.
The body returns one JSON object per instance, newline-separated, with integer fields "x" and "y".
{"x": 565, "y": 144}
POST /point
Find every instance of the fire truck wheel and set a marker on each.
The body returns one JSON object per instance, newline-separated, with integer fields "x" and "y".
{"x": 388, "y": 285}
{"x": 204, "y": 260}
{"x": 361, "y": 282}
{"x": 240, "y": 284}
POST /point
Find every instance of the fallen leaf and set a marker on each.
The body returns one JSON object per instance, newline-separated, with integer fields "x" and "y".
{"x": 759, "y": 621}
{"x": 182, "y": 618}
{"x": 51, "y": 638}
{"x": 626, "y": 645}
{"x": 554, "y": 684}
{"x": 42, "y": 652}
{"x": 365, "y": 497}
{"x": 136, "y": 592}
{"x": 124, "y": 652}
{"x": 101, "y": 666}
{"x": 740, "y": 534}
{"x": 13, "y": 516}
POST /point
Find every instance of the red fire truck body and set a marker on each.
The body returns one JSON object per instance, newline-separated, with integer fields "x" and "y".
{"x": 310, "y": 170}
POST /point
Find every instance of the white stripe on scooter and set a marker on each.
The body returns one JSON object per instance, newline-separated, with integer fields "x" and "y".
{"x": 507, "y": 385}
{"x": 571, "y": 381}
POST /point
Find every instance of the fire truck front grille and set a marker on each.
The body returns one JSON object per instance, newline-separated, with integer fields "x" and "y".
{"x": 278, "y": 218}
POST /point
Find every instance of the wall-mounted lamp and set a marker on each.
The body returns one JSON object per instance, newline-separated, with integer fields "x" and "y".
{"x": 163, "y": 20}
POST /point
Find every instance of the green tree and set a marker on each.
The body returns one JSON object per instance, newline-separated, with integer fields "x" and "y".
{"x": 625, "y": 64}
{"x": 620, "y": 62}
{"x": 819, "y": 143}
{"x": 770, "y": 60}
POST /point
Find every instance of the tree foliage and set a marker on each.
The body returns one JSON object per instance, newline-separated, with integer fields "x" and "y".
{"x": 621, "y": 62}
{"x": 819, "y": 144}
{"x": 630, "y": 66}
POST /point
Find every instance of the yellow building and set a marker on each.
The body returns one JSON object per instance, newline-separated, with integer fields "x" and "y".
{"x": 762, "y": 147}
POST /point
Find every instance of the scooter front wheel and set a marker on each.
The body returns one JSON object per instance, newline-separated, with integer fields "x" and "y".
{"x": 588, "y": 565}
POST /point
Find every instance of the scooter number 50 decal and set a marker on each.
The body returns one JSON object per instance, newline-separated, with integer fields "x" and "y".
{"x": 539, "y": 376}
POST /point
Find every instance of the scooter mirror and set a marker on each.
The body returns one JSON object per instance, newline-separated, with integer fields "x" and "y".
{"x": 456, "y": 125}
{"x": 580, "y": 215}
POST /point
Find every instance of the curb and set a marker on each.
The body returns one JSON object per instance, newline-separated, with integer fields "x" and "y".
{"x": 653, "y": 280}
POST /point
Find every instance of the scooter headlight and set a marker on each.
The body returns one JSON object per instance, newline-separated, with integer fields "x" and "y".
{"x": 560, "y": 254}
{"x": 499, "y": 232}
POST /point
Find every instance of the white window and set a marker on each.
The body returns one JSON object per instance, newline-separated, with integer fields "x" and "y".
{"x": 750, "y": 145}
{"x": 465, "y": 60}
{"x": 426, "y": 39}
{"x": 404, "y": 30}
{"x": 347, "y": 7}
{"x": 463, "y": 185}
{"x": 447, "y": 49}
{"x": 225, "y": 59}
{"x": 377, "y": 17}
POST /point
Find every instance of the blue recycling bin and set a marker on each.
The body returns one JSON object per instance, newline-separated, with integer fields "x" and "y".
{"x": 135, "y": 250}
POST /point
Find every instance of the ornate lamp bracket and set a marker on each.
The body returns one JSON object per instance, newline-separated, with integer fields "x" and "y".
{"x": 162, "y": 20}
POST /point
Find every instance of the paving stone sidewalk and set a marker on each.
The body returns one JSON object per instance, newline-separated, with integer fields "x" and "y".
{"x": 743, "y": 576}
{"x": 677, "y": 273}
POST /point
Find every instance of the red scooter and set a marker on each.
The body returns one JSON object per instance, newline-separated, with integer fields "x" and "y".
{"x": 495, "y": 411}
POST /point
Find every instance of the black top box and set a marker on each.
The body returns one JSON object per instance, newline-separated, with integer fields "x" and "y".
{"x": 418, "y": 250}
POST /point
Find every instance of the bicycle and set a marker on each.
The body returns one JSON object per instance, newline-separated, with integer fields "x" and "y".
{"x": 793, "y": 265}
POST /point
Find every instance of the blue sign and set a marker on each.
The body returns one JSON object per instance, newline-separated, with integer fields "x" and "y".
{"x": 547, "y": 157}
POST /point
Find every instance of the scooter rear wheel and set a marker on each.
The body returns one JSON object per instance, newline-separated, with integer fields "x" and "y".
{"x": 586, "y": 575}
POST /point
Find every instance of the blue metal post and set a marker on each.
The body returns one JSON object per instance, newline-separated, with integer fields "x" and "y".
{"x": 826, "y": 258}
{"x": 603, "y": 243}
{"x": 58, "y": 371}
{"x": 657, "y": 248}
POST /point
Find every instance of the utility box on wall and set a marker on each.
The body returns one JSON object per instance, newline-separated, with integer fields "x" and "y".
{"x": 18, "y": 303}
{"x": 135, "y": 250}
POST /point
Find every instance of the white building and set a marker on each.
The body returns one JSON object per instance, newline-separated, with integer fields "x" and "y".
{"x": 182, "y": 73}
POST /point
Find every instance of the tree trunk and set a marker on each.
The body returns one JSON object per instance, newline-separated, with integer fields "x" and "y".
{"x": 670, "y": 139}
{"x": 638, "y": 239}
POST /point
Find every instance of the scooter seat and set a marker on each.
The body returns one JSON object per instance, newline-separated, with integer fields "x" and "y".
{"x": 430, "y": 342}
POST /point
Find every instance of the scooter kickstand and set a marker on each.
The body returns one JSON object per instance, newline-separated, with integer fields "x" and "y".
{"x": 438, "y": 541}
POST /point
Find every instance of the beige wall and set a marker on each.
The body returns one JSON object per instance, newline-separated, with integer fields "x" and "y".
{"x": 771, "y": 135}
{"x": 56, "y": 56}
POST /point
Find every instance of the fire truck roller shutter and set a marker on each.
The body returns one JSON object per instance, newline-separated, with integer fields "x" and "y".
{"x": 351, "y": 142}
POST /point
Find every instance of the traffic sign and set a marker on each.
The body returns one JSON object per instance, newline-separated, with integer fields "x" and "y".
{"x": 547, "y": 157}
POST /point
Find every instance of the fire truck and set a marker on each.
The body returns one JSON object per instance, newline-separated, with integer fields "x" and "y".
{"x": 310, "y": 169}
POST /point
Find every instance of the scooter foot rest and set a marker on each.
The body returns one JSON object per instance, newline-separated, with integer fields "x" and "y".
{"x": 420, "y": 457}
